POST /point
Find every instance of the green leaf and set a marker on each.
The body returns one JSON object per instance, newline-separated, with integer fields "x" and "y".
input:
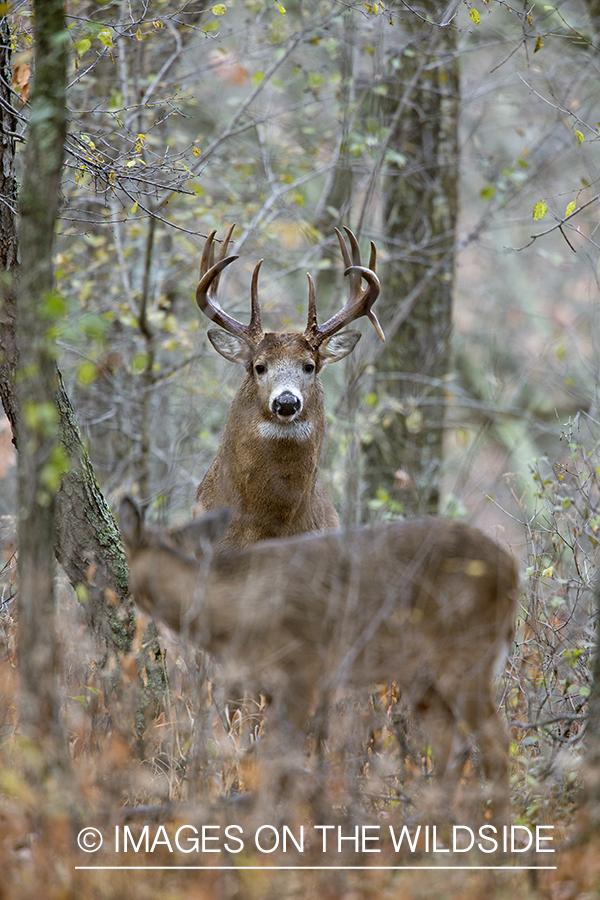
{"x": 54, "y": 306}
{"x": 82, "y": 700}
{"x": 82, "y": 46}
{"x": 139, "y": 363}
{"x": 82, "y": 593}
{"x": 41, "y": 417}
{"x": 106, "y": 37}
{"x": 487, "y": 192}
{"x": 87, "y": 373}
{"x": 539, "y": 210}
{"x": 58, "y": 465}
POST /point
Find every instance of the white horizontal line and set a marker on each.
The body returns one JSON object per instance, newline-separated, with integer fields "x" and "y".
{"x": 318, "y": 868}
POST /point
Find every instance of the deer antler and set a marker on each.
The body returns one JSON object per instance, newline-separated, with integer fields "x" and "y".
{"x": 360, "y": 302}
{"x": 206, "y": 292}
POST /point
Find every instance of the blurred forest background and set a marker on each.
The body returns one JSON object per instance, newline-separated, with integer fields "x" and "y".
{"x": 463, "y": 139}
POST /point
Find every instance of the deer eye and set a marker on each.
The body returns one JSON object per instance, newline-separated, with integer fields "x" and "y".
{"x": 260, "y": 369}
{"x": 309, "y": 368}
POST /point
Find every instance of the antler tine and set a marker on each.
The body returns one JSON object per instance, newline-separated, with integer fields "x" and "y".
{"x": 364, "y": 302}
{"x": 360, "y": 302}
{"x": 311, "y": 326}
{"x": 255, "y": 326}
{"x": 206, "y": 292}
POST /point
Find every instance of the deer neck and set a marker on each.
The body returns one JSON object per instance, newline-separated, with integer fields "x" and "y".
{"x": 256, "y": 442}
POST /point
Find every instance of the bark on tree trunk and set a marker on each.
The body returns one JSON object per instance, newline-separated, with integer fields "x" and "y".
{"x": 86, "y": 536}
{"x": 41, "y": 459}
{"x": 8, "y": 233}
{"x": 404, "y": 454}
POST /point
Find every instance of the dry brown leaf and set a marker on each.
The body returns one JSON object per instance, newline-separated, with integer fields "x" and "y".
{"x": 20, "y": 80}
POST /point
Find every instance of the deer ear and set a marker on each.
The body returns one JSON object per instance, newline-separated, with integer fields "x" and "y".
{"x": 192, "y": 536}
{"x": 338, "y": 346}
{"x": 228, "y": 345}
{"x": 130, "y": 523}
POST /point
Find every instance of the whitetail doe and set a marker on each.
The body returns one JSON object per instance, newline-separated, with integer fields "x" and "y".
{"x": 427, "y": 603}
{"x": 267, "y": 468}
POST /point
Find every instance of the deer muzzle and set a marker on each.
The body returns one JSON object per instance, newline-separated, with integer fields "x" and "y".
{"x": 286, "y": 405}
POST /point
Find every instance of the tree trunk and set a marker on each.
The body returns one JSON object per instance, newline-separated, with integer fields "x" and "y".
{"x": 404, "y": 451}
{"x": 41, "y": 460}
{"x": 8, "y": 233}
{"x": 87, "y": 541}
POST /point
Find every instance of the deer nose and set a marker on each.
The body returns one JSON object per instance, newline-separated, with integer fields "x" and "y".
{"x": 286, "y": 404}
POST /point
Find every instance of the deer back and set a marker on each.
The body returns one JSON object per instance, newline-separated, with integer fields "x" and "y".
{"x": 430, "y": 594}
{"x": 427, "y": 603}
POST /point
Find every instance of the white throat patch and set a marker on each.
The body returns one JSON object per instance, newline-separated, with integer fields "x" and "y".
{"x": 281, "y": 431}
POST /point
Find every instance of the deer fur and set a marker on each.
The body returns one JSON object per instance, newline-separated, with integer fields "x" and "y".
{"x": 266, "y": 471}
{"x": 427, "y": 603}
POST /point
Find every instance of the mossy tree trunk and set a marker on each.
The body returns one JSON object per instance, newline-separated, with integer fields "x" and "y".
{"x": 41, "y": 460}
{"x": 86, "y": 537}
{"x": 403, "y": 452}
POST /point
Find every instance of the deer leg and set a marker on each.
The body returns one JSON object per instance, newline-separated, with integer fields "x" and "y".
{"x": 282, "y": 755}
{"x": 492, "y": 738}
{"x": 439, "y": 723}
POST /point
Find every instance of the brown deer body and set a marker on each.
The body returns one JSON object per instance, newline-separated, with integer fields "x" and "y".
{"x": 427, "y": 603}
{"x": 267, "y": 468}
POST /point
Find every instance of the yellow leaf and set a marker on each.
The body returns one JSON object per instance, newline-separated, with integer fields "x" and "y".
{"x": 282, "y": 9}
{"x": 106, "y": 37}
{"x": 475, "y": 16}
{"x": 82, "y": 46}
{"x": 548, "y": 573}
{"x": 570, "y": 208}
{"x": 580, "y": 137}
{"x": 219, "y": 9}
{"x": 539, "y": 210}
{"x": 196, "y": 152}
{"x": 134, "y": 208}
{"x": 538, "y": 45}
{"x": 138, "y": 34}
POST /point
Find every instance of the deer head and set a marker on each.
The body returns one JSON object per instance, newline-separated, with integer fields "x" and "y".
{"x": 284, "y": 367}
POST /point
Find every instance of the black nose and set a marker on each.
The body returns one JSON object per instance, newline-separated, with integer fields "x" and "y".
{"x": 286, "y": 404}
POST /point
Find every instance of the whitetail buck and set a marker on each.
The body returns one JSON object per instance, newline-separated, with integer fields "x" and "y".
{"x": 428, "y": 603}
{"x": 267, "y": 468}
